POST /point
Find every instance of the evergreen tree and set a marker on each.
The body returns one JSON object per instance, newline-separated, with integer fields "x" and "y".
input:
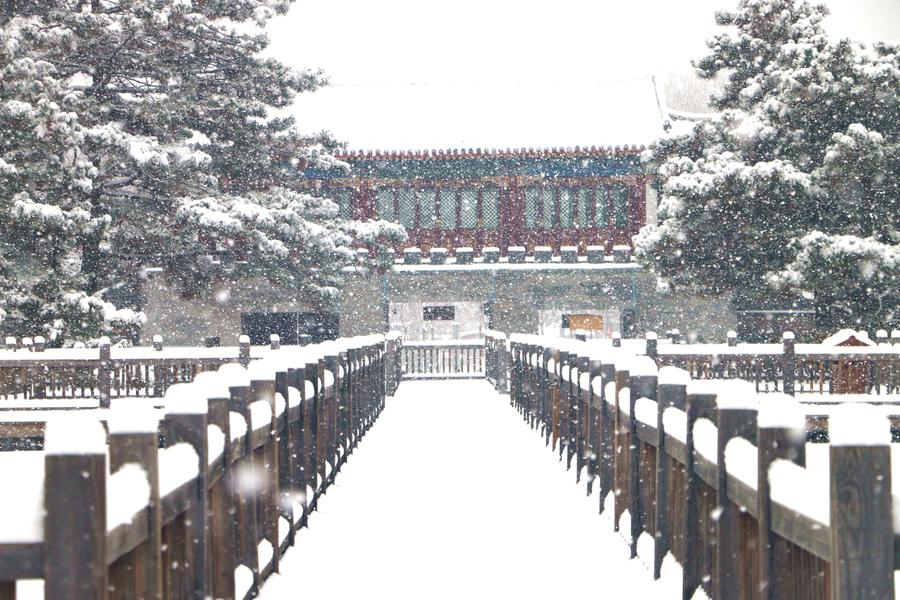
{"x": 145, "y": 132}
{"x": 792, "y": 190}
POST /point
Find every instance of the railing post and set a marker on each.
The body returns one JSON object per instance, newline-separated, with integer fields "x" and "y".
{"x": 265, "y": 458}
{"x": 616, "y": 340}
{"x": 157, "y": 343}
{"x": 732, "y": 338}
{"x": 698, "y": 405}
{"x": 606, "y": 454}
{"x": 244, "y": 350}
{"x": 789, "y": 363}
{"x": 104, "y": 372}
{"x": 275, "y": 341}
{"x": 75, "y": 510}
{"x": 642, "y": 384}
{"x": 781, "y": 434}
{"x": 186, "y": 421}
{"x": 862, "y": 529}
{"x": 671, "y": 391}
{"x": 732, "y": 420}
{"x": 134, "y": 440}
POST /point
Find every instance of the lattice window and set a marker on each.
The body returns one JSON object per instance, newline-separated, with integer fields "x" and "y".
{"x": 427, "y": 201}
{"x": 549, "y": 208}
{"x": 468, "y": 209}
{"x": 385, "y": 204}
{"x": 448, "y": 208}
{"x": 620, "y": 205}
{"x": 532, "y": 208}
{"x": 406, "y": 207}
{"x": 601, "y": 206}
{"x": 490, "y": 207}
{"x": 565, "y": 208}
{"x": 343, "y": 197}
{"x": 583, "y": 208}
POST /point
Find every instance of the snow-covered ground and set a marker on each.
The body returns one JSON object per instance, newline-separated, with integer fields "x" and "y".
{"x": 451, "y": 495}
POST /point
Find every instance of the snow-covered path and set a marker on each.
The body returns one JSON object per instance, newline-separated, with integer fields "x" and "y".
{"x": 451, "y": 495}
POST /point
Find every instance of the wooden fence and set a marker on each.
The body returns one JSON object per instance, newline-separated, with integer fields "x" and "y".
{"x": 111, "y": 372}
{"x": 685, "y": 467}
{"x": 246, "y": 454}
{"x": 443, "y": 360}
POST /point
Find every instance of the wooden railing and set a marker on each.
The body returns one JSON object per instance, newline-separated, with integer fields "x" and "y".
{"x": 112, "y": 372}
{"x": 443, "y": 359}
{"x": 247, "y": 454}
{"x": 698, "y": 471}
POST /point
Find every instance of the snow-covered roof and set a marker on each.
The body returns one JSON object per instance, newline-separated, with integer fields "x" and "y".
{"x": 486, "y": 115}
{"x": 848, "y": 337}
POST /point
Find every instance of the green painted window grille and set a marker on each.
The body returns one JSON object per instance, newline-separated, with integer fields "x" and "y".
{"x": 601, "y": 206}
{"x": 620, "y": 205}
{"x": 448, "y": 208}
{"x": 565, "y": 208}
{"x": 532, "y": 208}
{"x": 490, "y": 207}
{"x": 468, "y": 208}
{"x": 406, "y": 207}
{"x": 343, "y": 197}
{"x": 583, "y": 208}
{"x": 385, "y": 204}
{"x": 549, "y": 208}
{"x": 427, "y": 201}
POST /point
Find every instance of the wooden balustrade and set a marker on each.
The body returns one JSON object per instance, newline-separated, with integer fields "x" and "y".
{"x": 685, "y": 467}
{"x": 443, "y": 360}
{"x": 267, "y": 440}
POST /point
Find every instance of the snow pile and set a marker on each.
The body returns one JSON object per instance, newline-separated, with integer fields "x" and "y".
{"x": 210, "y": 384}
{"x": 260, "y": 415}
{"x": 264, "y": 554}
{"x": 243, "y": 581}
{"x": 741, "y": 460}
{"x": 185, "y": 399}
{"x": 237, "y": 424}
{"x": 646, "y": 411}
{"x": 178, "y": 464}
{"x": 22, "y": 503}
{"x": 675, "y": 423}
{"x": 706, "y": 439}
{"x": 858, "y": 425}
{"x": 74, "y": 434}
{"x": 805, "y": 491}
{"x": 215, "y": 442}
{"x": 127, "y": 493}
{"x": 780, "y": 411}
{"x": 672, "y": 376}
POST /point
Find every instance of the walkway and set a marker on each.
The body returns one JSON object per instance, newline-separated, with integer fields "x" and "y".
{"x": 451, "y": 495}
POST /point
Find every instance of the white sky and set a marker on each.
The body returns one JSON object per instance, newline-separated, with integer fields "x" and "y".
{"x": 402, "y": 41}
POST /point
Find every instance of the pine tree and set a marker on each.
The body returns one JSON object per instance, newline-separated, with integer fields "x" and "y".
{"x": 791, "y": 191}
{"x": 146, "y": 132}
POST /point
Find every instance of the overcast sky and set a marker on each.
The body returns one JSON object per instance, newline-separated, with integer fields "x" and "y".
{"x": 403, "y": 41}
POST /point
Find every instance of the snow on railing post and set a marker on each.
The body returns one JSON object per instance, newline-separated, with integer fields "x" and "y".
{"x": 697, "y": 406}
{"x": 74, "y": 545}
{"x": 244, "y": 350}
{"x": 104, "y": 372}
{"x": 28, "y": 344}
{"x": 642, "y": 383}
{"x": 789, "y": 362}
{"x": 734, "y": 418}
{"x": 157, "y": 343}
{"x": 895, "y": 337}
{"x": 671, "y": 391}
{"x": 881, "y": 336}
{"x": 862, "y": 527}
{"x": 675, "y": 336}
{"x": 134, "y": 438}
{"x": 187, "y": 420}
{"x": 503, "y": 366}
{"x": 265, "y": 458}
{"x": 40, "y": 344}
{"x": 214, "y": 388}
{"x": 275, "y": 341}
{"x": 781, "y": 434}
{"x": 732, "y": 338}
{"x": 616, "y": 339}
{"x": 10, "y": 343}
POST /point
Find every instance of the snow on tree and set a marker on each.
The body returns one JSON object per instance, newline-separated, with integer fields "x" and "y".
{"x": 792, "y": 190}
{"x": 146, "y": 132}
